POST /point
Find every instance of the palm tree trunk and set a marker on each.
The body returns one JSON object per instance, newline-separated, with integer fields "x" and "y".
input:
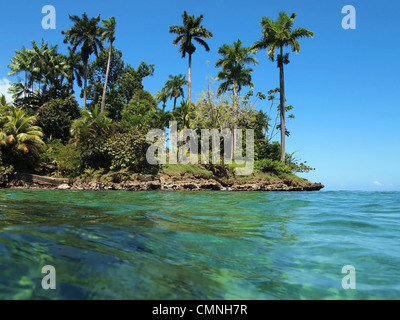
{"x": 26, "y": 85}
{"x": 283, "y": 111}
{"x": 235, "y": 107}
{"x": 85, "y": 85}
{"x": 103, "y": 100}
{"x": 175, "y": 102}
{"x": 190, "y": 80}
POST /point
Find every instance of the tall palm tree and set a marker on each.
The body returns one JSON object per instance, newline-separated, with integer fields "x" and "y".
{"x": 107, "y": 34}
{"x": 191, "y": 30}
{"x": 174, "y": 87}
{"x": 162, "y": 96}
{"x": 87, "y": 34}
{"x": 19, "y": 133}
{"x": 275, "y": 36}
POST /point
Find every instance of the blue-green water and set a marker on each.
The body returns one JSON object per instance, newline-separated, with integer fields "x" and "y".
{"x": 206, "y": 245}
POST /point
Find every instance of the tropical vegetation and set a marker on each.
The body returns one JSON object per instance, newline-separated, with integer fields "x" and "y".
{"x": 44, "y": 130}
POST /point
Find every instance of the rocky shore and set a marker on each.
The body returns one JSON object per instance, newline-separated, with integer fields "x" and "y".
{"x": 156, "y": 182}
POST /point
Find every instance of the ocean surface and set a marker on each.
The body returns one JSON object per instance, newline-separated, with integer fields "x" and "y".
{"x": 199, "y": 245}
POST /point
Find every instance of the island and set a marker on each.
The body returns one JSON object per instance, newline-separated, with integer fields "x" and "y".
{"x": 50, "y": 139}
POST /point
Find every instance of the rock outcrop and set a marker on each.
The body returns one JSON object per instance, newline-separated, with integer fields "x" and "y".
{"x": 154, "y": 182}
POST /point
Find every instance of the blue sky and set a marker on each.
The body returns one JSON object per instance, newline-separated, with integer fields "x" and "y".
{"x": 344, "y": 84}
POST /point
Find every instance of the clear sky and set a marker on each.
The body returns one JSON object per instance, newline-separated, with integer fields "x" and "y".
{"x": 344, "y": 84}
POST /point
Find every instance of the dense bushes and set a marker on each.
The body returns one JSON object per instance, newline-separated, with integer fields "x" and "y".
{"x": 5, "y": 171}
{"x": 127, "y": 151}
{"x": 265, "y": 150}
{"x": 55, "y": 118}
{"x": 62, "y": 160}
{"x": 271, "y": 166}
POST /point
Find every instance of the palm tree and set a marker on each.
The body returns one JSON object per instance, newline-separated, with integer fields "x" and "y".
{"x": 162, "y": 96}
{"x": 49, "y": 70}
{"x": 174, "y": 87}
{"x": 191, "y": 30}
{"x": 45, "y": 70}
{"x": 76, "y": 68}
{"x": 233, "y": 61}
{"x": 107, "y": 34}
{"x": 92, "y": 124}
{"x": 84, "y": 33}
{"x": 234, "y": 72}
{"x": 19, "y": 132}
{"x": 275, "y": 36}
{"x": 22, "y": 62}
{"x": 183, "y": 116}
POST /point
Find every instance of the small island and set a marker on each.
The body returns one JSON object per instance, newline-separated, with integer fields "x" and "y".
{"x": 49, "y": 141}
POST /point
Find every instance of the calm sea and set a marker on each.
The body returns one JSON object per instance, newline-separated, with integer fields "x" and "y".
{"x": 206, "y": 245}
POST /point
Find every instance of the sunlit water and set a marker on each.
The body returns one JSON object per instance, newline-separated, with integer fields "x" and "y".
{"x": 206, "y": 245}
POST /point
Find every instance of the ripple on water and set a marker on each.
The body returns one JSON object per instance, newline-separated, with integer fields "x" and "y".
{"x": 205, "y": 245}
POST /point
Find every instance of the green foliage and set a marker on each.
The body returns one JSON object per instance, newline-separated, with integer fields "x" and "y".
{"x": 162, "y": 96}
{"x": 116, "y": 139}
{"x": 96, "y": 78}
{"x": 20, "y": 140}
{"x": 127, "y": 151}
{"x": 132, "y": 80}
{"x": 234, "y": 73}
{"x": 271, "y": 166}
{"x": 191, "y": 30}
{"x": 123, "y": 82}
{"x": 86, "y": 34}
{"x": 62, "y": 160}
{"x": 296, "y": 165}
{"x": 214, "y": 110}
{"x": 278, "y": 34}
{"x": 55, "y": 118}
{"x": 142, "y": 114}
{"x": 183, "y": 115}
{"x": 91, "y": 126}
{"x": 267, "y": 150}
{"x": 173, "y": 87}
{"x": 5, "y": 170}
{"x": 44, "y": 73}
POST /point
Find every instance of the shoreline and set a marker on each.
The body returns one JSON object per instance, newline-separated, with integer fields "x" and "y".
{"x": 156, "y": 183}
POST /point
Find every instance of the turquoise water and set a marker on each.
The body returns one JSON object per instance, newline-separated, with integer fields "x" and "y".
{"x": 206, "y": 245}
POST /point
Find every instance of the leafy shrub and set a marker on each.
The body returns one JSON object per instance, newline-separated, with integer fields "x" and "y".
{"x": 55, "y": 118}
{"x": 271, "y": 166}
{"x": 127, "y": 151}
{"x": 265, "y": 150}
{"x": 5, "y": 171}
{"x": 62, "y": 160}
{"x": 296, "y": 166}
{"x": 140, "y": 113}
